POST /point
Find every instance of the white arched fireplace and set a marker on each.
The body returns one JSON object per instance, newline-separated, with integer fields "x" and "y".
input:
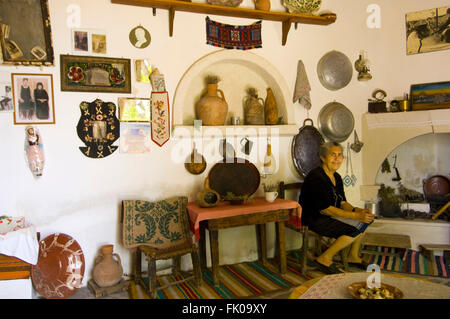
{"x": 382, "y": 133}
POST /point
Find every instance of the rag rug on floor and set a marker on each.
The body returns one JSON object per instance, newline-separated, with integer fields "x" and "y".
{"x": 241, "y": 280}
{"x": 413, "y": 262}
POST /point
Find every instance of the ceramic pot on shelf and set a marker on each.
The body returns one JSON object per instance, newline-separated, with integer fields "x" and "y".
{"x": 211, "y": 108}
{"x": 253, "y": 109}
{"x": 270, "y": 108}
{"x": 107, "y": 270}
{"x": 263, "y": 5}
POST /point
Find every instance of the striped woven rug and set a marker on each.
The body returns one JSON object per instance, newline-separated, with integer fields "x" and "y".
{"x": 413, "y": 263}
{"x": 241, "y": 280}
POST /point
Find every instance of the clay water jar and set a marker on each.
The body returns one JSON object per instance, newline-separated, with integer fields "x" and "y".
{"x": 211, "y": 108}
{"x": 107, "y": 270}
{"x": 263, "y": 5}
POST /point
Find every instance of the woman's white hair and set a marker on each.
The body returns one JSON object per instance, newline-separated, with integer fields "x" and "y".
{"x": 325, "y": 147}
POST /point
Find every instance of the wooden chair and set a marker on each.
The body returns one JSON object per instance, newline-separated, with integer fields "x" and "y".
{"x": 317, "y": 248}
{"x": 165, "y": 235}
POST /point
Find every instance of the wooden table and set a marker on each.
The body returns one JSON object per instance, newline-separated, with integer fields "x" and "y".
{"x": 257, "y": 212}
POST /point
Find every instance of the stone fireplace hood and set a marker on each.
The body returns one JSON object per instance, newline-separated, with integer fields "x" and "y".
{"x": 383, "y": 132}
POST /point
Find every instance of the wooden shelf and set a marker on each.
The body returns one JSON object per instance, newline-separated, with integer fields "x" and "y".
{"x": 286, "y": 18}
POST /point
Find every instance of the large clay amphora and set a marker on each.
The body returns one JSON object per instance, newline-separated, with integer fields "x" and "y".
{"x": 263, "y": 5}
{"x": 211, "y": 108}
{"x": 107, "y": 271}
{"x": 270, "y": 109}
{"x": 254, "y": 110}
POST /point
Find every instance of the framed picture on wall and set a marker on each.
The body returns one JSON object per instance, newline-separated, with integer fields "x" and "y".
{"x": 88, "y": 42}
{"x": 428, "y": 30}
{"x": 95, "y": 74}
{"x": 430, "y": 96}
{"x": 134, "y": 110}
{"x": 25, "y": 33}
{"x": 33, "y": 98}
{"x": 6, "y": 101}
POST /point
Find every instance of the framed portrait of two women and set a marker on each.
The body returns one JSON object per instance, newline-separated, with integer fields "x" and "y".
{"x": 33, "y": 98}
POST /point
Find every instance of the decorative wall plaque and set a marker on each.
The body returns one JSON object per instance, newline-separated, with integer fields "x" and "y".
{"x": 98, "y": 128}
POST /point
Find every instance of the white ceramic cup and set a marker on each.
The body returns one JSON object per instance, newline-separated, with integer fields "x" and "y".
{"x": 271, "y": 196}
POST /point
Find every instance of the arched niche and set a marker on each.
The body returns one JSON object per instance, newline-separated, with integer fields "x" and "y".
{"x": 237, "y": 70}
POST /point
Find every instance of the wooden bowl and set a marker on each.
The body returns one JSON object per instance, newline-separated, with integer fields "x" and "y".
{"x": 353, "y": 290}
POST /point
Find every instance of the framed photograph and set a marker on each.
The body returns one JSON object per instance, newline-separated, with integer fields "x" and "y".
{"x": 134, "y": 110}
{"x": 95, "y": 74}
{"x": 6, "y": 98}
{"x": 88, "y": 42}
{"x": 33, "y": 98}
{"x": 428, "y": 30}
{"x": 135, "y": 138}
{"x": 430, "y": 96}
{"x": 27, "y": 43}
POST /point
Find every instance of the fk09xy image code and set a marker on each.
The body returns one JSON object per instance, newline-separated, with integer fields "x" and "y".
{"x": 229, "y": 309}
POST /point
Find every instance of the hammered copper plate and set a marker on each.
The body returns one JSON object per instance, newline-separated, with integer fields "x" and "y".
{"x": 237, "y": 176}
{"x": 60, "y": 267}
{"x": 353, "y": 289}
{"x": 335, "y": 70}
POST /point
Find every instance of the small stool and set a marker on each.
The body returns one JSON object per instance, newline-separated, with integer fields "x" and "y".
{"x": 385, "y": 240}
{"x": 104, "y": 291}
{"x": 428, "y": 251}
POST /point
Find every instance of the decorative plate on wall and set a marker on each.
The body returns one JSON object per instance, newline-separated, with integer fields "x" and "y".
{"x": 60, "y": 267}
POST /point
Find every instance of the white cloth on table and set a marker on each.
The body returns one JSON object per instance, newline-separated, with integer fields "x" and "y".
{"x": 21, "y": 243}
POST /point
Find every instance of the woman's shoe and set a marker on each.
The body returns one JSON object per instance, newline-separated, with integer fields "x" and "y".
{"x": 330, "y": 270}
{"x": 362, "y": 265}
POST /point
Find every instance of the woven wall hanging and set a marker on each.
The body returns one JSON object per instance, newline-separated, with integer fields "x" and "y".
{"x": 233, "y": 37}
{"x": 98, "y": 128}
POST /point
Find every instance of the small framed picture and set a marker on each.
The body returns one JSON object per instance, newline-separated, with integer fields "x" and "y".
{"x": 134, "y": 110}
{"x": 88, "y": 42}
{"x": 430, "y": 96}
{"x": 6, "y": 98}
{"x": 135, "y": 138}
{"x": 33, "y": 98}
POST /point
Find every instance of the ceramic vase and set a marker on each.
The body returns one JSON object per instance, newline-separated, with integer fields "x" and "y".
{"x": 263, "y": 5}
{"x": 270, "y": 108}
{"x": 107, "y": 270}
{"x": 211, "y": 108}
{"x": 254, "y": 110}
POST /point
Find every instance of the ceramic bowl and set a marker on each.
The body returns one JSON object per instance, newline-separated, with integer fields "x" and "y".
{"x": 302, "y": 6}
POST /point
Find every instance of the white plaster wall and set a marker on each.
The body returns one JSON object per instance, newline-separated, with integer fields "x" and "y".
{"x": 81, "y": 196}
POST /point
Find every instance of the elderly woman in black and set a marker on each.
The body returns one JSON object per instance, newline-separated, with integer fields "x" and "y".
{"x": 326, "y": 211}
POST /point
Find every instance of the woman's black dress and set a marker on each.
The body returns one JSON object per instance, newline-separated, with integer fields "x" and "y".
{"x": 319, "y": 193}
{"x": 42, "y": 108}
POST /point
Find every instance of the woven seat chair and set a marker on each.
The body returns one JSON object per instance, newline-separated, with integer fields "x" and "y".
{"x": 318, "y": 243}
{"x": 159, "y": 230}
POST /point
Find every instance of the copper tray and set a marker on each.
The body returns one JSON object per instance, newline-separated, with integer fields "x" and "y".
{"x": 353, "y": 290}
{"x": 60, "y": 267}
{"x": 305, "y": 148}
{"x": 237, "y": 176}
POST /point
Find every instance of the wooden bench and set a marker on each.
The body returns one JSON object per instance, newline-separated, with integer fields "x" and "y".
{"x": 428, "y": 251}
{"x": 385, "y": 240}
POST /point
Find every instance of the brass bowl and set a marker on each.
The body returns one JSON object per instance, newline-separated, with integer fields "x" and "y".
{"x": 353, "y": 290}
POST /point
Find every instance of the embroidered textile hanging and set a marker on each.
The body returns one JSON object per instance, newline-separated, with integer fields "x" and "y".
{"x": 98, "y": 128}
{"x": 160, "y": 123}
{"x": 233, "y": 37}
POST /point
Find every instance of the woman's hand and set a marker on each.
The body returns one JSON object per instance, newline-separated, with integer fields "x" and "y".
{"x": 364, "y": 216}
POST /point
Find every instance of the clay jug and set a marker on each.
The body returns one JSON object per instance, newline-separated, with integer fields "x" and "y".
{"x": 211, "y": 108}
{"x": 107, "y": 271}
{"x": 262, "y": 5}
{"x": 253, "y": 109}
{"x": 270, "y": 108}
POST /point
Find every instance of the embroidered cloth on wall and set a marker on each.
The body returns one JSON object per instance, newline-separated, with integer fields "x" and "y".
{"x": 98, "y": 128}
{"x": 233, "y": 37}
